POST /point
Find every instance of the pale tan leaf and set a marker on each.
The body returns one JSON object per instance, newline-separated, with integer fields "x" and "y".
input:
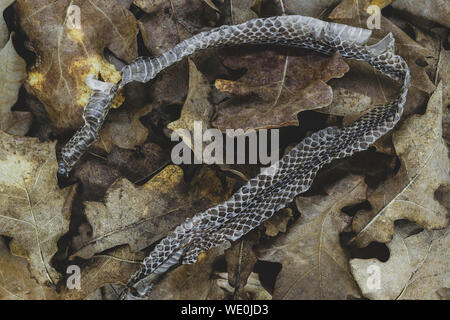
{"x": 410, "y": 193}
{"x": 417, "y": 268}
{"x": 12, "y": 75}
{"x": 35, "y": 212}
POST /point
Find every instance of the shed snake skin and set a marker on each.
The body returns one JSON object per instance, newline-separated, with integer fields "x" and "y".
{"x": 273, "y": 189}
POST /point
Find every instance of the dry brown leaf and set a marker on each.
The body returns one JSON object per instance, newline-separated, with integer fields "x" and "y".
{"x": 241, "y": 260}
{"x": 138, "y": 164}
{"x": 189, "y": 282}
{"x": 314, "y": 265}
{"x": 433, "y": 10}
{"x": 351, "y": 9}
{"x": 365, "y": 80}
{"x": 12, "y": 75}
{"x": 239, "y": 11}
{"x": 35, "y": 212}
{"x": 114, "y": 267}
{"x": 68, "y": 54}
{"x": 16, "y": 282}
{"x": 150, "y": 6}
{"x": 310, "y": 8}
{"x": 278, "y": 223}
{"x": 96, "y": 176}
{"x": 139, "y": 216}
{"x": 196, "y": 108}
{"x": 410, "y": 193}
{"x": 275, "y": 88}
{"x": 418, "y": 266}
{"x": 199, "y": 282}
{"x": 124, "y": 129}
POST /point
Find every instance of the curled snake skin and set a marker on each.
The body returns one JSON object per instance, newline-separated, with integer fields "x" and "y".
{"x": 273, "y": 189}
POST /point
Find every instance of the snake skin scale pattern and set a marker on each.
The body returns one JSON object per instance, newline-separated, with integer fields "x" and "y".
{"x": 273, "y": 189}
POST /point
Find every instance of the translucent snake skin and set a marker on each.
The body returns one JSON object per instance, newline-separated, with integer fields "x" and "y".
{"x": 273, "y": 189}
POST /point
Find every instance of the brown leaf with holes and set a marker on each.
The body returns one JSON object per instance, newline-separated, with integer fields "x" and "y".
{"x": 139, "y": 216}
{"x": 275, "y": 88}
{"x": 69, "y": 38}
{"x": 417, "y": 268}
{"x": 314, "y": 265}
{"x": 35, "y": 212}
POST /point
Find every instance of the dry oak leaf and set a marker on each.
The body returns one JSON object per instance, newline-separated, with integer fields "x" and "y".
{"x": 418, "y": 266}
{"x": 139, "y": 216}
{"x": 275, "y": 88}
{"x": 16, "y": 282}
{"x": 196, "y": 109}
{"x": 112, "y": 267}
{"x": 68, "y": 52}
{"x": 410, "y": 193}
{"x": 34, "y": 211}
{"x": 365, "y": 80}
{"x": 314, "y": 265}
{"x": 12, "y": 75}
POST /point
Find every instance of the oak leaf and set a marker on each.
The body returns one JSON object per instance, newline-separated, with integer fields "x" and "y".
{"x": 417, "y": 268}
{"x": 189, "y": 282}
{"x": 275, "y": 88}
{"x": 139, "y": 216}
{"x": 314, "y": 265}
{"x": 112, "y": 267}
{"x": 410, "y": 193}
{"x": 35, "y": 212}
{"x": 69, "y": 38}
{"x": 363, "y": 79}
